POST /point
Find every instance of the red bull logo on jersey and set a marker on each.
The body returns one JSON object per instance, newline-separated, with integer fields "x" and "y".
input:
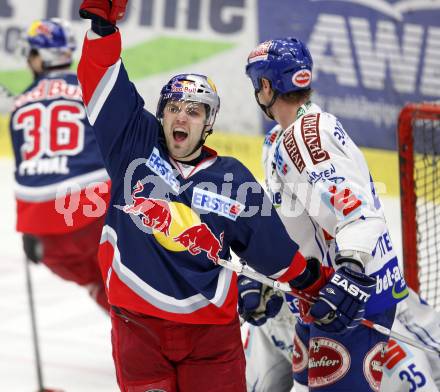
{"x": 201, "y": 238}
{"x": 218, "y": 204}
{"x": 175, "y": 225}
{"x": 155, "y": 213}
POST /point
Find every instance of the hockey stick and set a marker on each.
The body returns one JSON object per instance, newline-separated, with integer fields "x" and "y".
{"x": 35, "y": 339}
{"x": 285, "y": 287}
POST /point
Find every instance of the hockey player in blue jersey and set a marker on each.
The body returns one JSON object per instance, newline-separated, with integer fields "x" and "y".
{"x": 176, "y": 209}
{"x": 61, "y": 185}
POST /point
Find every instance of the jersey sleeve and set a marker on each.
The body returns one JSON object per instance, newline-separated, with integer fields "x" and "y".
{"x": 115, "y": 109}
{"x": 260, "y": 237}
{"x": 325, "y": 173}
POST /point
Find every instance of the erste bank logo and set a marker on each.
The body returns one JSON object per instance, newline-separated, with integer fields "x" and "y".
{"x": 218, "y": 204}
{"x": 163, "y": 169}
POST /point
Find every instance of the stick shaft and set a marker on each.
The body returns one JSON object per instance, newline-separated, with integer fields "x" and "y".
{"x": 35, "y": 339}
{"x": 246, "y": 271}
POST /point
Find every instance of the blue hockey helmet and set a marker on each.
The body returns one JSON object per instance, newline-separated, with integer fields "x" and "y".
{"x": 194, "y": 88}
{"x": 286, "y": 63}
{"x": 52, "y": 39}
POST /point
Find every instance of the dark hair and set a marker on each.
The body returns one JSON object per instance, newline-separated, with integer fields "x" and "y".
{"x": 297, "y": 96}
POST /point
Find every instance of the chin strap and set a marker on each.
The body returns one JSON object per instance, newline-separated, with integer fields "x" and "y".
{"x": 266, "y": 108}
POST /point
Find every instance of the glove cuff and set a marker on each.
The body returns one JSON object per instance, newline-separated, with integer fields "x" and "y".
{"x": 352, "y": 259}
{"x": 103, "y": 27}
{"x": 310, "y": 275}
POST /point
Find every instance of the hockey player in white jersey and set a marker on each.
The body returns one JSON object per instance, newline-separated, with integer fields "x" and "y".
{"x": 319, "y": 180}
{"x": 269, "y": 345}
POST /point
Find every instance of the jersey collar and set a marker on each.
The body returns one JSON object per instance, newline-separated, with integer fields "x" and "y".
{"x": 187, "y": 171}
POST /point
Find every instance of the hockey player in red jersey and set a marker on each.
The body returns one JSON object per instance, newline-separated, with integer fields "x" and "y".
{"x": 176, "y": 209}
{"x": 61, "y": 185}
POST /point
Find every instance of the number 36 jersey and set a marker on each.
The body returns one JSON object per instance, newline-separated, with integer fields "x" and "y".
{"x": 57, "y": 161}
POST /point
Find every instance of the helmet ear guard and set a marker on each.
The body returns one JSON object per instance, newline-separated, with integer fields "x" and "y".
{"x": 52, "y": 39}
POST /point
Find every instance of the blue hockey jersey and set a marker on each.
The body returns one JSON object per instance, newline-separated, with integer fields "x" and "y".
{"x": 168, "y": 223}
{"x": 57, "y": 160}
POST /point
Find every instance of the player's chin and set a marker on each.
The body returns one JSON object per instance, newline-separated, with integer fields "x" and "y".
{"x": 177, "y": 151}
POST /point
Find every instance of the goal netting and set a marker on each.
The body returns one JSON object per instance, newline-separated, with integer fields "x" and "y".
{"x": 419, "y": 162}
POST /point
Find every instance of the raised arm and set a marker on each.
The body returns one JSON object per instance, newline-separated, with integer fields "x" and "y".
{"x": 114, "y": 107}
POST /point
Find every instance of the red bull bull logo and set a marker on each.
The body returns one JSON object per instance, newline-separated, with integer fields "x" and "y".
{"x": 155, "y": 212}
{"x": 200, "y": 237}
{"x": 176, "y": 226}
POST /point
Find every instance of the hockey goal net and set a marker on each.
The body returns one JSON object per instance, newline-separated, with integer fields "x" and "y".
{"x": 419, "y": 161}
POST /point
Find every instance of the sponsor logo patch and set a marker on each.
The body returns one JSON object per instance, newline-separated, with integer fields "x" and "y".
{"x": 344, "y": 201}
{"x": 394, "y": 355}
{"x": 329, "y": 361}
{"x": 163, "y": 169}
{"x": 184, "y": 86}
{"x": 200, "y": 238}
{"x": 300, "y": 357}
{"x": 302, "y": 78}
{"x": 260, "y": 52}
{"x": 373, "y": 363}
{"x": 279, "y": 163}
{"x": 270, "y": 138}
{"x": 218, "y": 204}
{"x": 312, "y": 139}
{"x": 292, "y": 149}
{"x": 328, "y": 174}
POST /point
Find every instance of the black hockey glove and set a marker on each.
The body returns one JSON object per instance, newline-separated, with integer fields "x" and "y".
{"x": 33, "y": 248}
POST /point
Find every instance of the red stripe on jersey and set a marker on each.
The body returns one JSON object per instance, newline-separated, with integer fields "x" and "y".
{"x": 43, "y": 218}
{"x": 97, "y": 56}
{"x": 296, "y": 268}
{"x": 119, "y": 294}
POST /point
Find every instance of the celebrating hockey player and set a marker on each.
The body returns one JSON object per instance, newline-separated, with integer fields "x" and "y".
{"x": 177, "y": 208}
{"x": 319, "y": 180}
{"x": 62, "y": 187}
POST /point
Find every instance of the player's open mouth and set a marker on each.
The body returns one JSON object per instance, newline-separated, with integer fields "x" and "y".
{"x": 179, "y": 136}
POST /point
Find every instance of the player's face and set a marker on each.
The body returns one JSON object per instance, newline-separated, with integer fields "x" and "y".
{"x": 183, "y": 124}
{"x": 35, "y": 63}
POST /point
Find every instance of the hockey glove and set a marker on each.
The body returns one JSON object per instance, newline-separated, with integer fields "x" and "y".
{"x": 33, "y": 248}
{"x": 341, "y": 303}
{"x": 257, "y": 302}
{"x": 308, "y": 284}
{"x": 103, "y": 13}
{"x": 111, "y": 11}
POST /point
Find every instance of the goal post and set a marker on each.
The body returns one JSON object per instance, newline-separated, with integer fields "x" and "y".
{"x": 419, "y": 166}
